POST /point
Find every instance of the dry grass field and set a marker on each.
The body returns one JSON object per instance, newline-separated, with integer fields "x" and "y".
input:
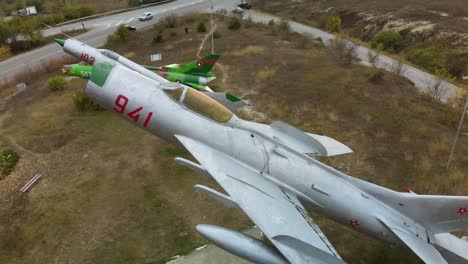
{"x": 449, "y": 14}
{"x": 111, "y": 192}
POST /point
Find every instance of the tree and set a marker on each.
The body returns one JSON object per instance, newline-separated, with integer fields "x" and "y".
{"x": 388, "y": 40}
{"x": 5, "y": 32}
{"x": 333, "y": 23}
{"x": 122, "y": 33}
{"x": 201, "y": 27}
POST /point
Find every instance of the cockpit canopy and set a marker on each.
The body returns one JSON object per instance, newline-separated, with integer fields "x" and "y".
{"x": 200, "y": 103}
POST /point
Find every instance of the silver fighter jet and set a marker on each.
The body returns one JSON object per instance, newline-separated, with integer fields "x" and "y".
{"x": 270, "y": 172}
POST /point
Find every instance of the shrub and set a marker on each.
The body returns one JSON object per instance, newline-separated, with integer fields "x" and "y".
{"x": 201, "y": 27}
{"x": 377, "y": 76}
{"x": 388, "y": 40}
{"x": 173, "y": 34}
{"x": 234, "y": 23}
{"x": 344, "y": 51}
{"x": 4, "y": 52}
{"x": 284, "y": 29}
{"x": 431, "y": 58}
{"x": 333, "y": 23}
{"x": 8, "y": 161}
{"x": 216, "y": 35}
{"x": 56, "y": 83}
{"x": 122, "y": 33}
{"x": 158, "y": 39}
{"x": 84, "y": 11}
{"x": 84, "y": 103}
{"x": 170, "y": 21}
{"x": 271, "y": 23}
{"x": 456, "y": 63}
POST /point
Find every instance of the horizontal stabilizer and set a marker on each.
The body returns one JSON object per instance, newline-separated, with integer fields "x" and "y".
{"x": 226, "y": 200}
{"x": 427, "y": 252}
{"x": 452, "y": 248}
{"x": 309, "y": 144}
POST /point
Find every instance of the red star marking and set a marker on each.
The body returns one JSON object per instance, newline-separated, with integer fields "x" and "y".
{"x": 461, "y": 211}
{"x": 354, "y": 223}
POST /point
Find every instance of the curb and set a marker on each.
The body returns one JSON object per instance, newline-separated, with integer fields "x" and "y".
{"x": 111, "y": 13}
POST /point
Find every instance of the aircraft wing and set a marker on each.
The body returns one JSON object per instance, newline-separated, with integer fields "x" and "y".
{"x": 276, "y": 211}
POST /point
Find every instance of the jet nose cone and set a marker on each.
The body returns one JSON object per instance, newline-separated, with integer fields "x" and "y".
{"x": 61, "y": 42}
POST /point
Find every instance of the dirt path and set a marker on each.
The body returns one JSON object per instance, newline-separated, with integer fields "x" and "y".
{"x": 204, "y": 40}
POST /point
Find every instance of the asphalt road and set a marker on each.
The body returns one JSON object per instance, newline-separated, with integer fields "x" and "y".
{"x": 104, "y": 26}
{"x": 101, "y": 28}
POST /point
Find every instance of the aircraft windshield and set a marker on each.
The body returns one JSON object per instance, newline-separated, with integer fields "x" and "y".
{"x": 202, "y": 104}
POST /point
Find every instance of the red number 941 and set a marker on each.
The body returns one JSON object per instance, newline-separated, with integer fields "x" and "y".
{"x": 121, "y": 103}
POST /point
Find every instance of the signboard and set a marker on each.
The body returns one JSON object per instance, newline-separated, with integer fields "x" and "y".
{"x": 156, "y": 57}
{"x": 20, "y": 87}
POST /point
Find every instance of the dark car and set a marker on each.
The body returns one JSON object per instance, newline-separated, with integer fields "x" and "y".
{"x": 130, "y": 28}
{"x": 244, "y": 5}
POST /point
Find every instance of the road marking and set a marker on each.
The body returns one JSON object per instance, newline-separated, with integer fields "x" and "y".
{"x": 130, "y": 20}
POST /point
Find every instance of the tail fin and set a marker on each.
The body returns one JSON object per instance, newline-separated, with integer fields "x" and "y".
{"x": 201, "y": 66}
{"x": 439, "y": 214}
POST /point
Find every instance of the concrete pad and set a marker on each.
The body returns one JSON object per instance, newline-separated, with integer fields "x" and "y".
{"x": 211, "y": 254}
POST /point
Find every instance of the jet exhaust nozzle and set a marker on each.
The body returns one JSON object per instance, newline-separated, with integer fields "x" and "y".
{"x": 241, "y": 245}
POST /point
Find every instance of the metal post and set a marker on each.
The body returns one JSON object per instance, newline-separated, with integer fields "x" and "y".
{"x": 211, "y": 28}
{"x": 458, "y": 133}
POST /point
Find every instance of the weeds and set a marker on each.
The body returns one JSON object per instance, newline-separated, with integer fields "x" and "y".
{"x": 234, "y": 23}
{"x": 8, "y": 161}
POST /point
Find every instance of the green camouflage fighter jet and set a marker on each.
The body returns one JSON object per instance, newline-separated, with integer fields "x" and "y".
{"x": 196, "y": 74}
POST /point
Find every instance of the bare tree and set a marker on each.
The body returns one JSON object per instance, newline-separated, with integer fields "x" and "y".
{"x": 437, "y": 89}
{"x": 344, "y": 51}
{"x": 373, "y": 57}
{"x": 398, "y": 68}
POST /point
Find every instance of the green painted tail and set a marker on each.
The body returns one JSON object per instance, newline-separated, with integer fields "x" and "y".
{"x": 200, "y": 67}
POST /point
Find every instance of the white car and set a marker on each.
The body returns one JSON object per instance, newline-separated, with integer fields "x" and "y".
{"x": 238, "y": 10}
{"x": 145, "y": 16}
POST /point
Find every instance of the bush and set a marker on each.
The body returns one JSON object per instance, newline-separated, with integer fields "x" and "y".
{"x": 173, "y": 34}
{"x": 170, "y": 21}
{"x": 377, "y": 76}
{"x": 56, "y": 83}
{"x": 4, "y": 52}
{"x": 84, "y": 103}
{"x": 122, "y": 33}
{"x": 388, "y": 40}
{"x": 216, "y": 35}
{"x": 201, "y": 27}
{"x": 84, "y": 11}
{"x": 158, "y": 39}
{"x": 431, "y": 58}
{"x": 271, "y": 23}
{"x": 333, "y": 23}
{"x": 234, "y": 23}
{"x": 456, "y": 63}
{"x": 8, "y": 161}
{"x": 343, "y": 51}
